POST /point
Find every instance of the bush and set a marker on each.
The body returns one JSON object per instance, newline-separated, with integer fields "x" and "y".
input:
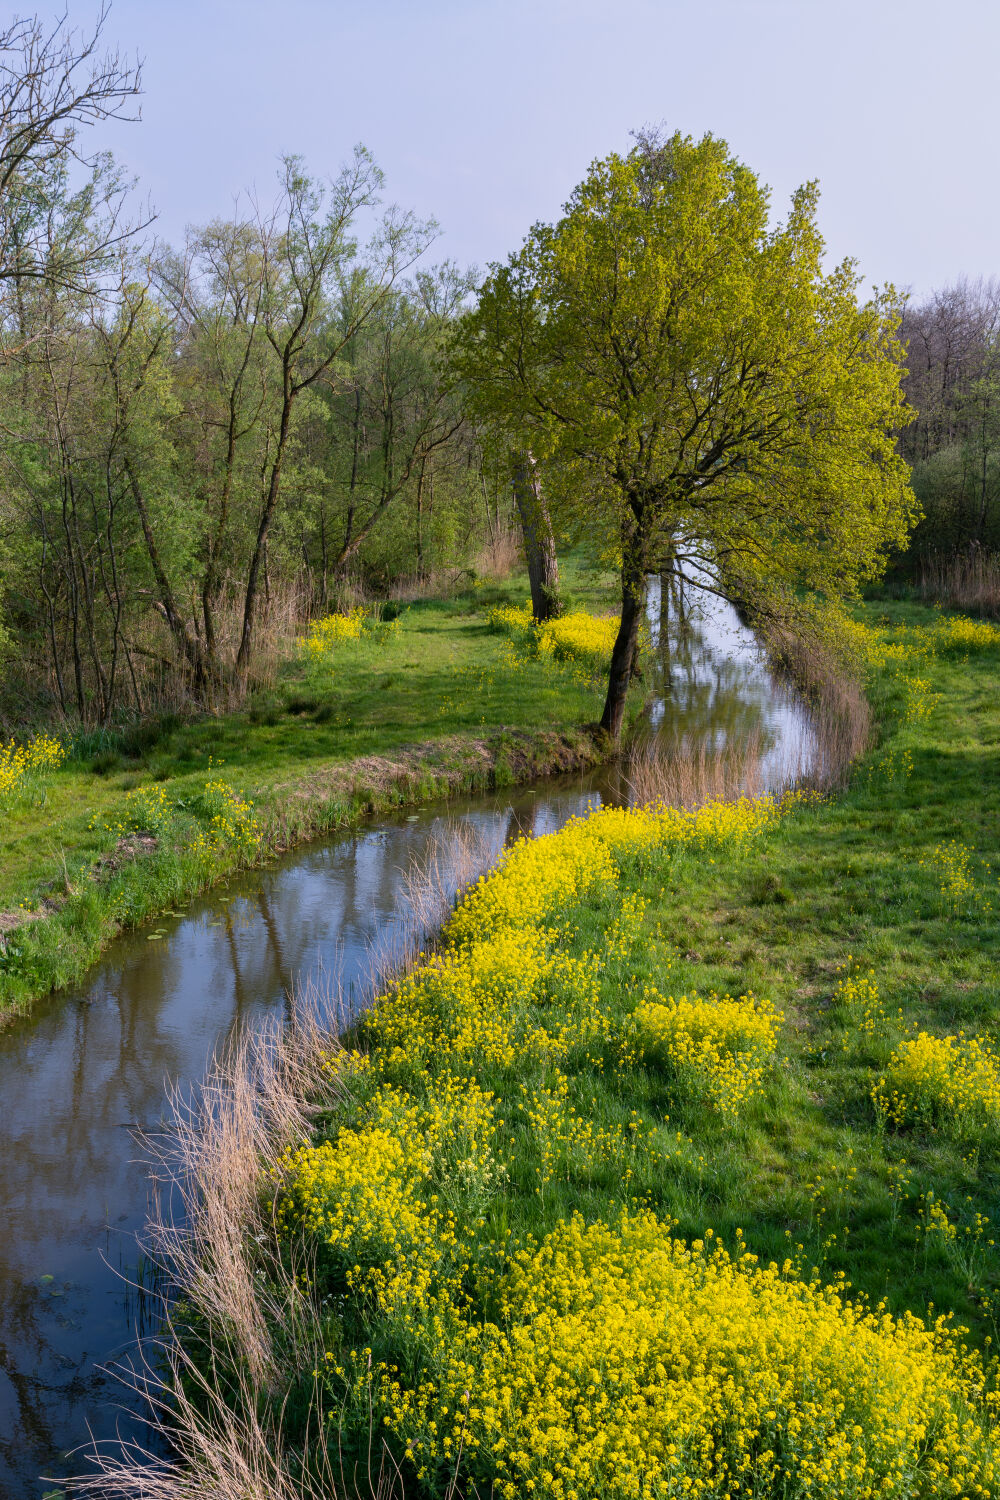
{"x": 947, "y": 1081}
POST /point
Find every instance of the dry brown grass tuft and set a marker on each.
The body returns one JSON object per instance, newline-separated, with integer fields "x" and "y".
{"x": 450, "y": 861}
{"x": 655, "y": 769}
{"x": 211, "y": 1216}
{"x": 967, "y": 580}
{"x": 501, "y": 554}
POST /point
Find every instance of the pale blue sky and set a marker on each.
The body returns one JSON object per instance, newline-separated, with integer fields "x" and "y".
{"x": 485, "y": 113}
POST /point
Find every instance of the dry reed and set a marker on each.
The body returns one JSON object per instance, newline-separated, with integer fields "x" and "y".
{"x": 840, "y": 715}
{"x": 502, "y": 553}
{"x": 208, "y": 1221}
{"x": 450, "y": 861}
{"x": 656, "y": 769}
{"x": 966, "y": 580}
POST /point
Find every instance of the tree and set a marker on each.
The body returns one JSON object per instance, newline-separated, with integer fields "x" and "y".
{"x": 704, "y": 401}
{"x": 266, "y": 310}
{"x": 539, "y": 540}
{"x": 53, "y": 84}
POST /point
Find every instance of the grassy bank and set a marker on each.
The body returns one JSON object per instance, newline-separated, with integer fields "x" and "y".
{"x": 130, "y": 823}
{"x": 672, "y": 1170}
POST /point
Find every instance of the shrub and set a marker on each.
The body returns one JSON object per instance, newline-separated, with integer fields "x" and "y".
{"x": 719, "y": 1048}
{"x": 951, "y": 1081}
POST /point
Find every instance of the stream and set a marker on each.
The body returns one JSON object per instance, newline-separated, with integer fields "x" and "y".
{"x": 90, "y": 1064}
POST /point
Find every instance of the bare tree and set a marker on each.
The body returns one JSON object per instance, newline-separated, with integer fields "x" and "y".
{"x": 54, "y": 83}
{"x": 953, "y": 381}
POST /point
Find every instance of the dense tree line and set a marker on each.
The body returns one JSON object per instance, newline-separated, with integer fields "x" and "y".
{"x": 953, "y": 444}
{"x": 192, "y": 436}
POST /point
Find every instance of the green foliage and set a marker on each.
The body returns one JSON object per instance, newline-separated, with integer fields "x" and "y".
{"x": 692, "y": 385}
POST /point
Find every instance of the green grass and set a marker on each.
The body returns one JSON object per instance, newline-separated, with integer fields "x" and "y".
{"x": 855, "y": 882}
{"x": 301, "y": 752}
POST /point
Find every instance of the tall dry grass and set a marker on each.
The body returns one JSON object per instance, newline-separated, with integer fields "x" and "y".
{"x": 966, "y": 580}
{"x": 502, "y": 553}
{"x": 656, "y": 769}
{"x": 212, "y": 1231}
{"x": 450, "y": 861}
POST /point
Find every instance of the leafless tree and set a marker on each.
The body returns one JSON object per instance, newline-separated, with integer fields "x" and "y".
{"x": 54, "y": 84}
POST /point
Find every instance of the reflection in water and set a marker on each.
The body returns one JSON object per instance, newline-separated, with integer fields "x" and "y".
{"x": 710, "y": 687}
{"x": 88, "y": 1066}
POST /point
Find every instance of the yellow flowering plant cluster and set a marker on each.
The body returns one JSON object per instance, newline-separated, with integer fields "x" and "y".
{"x": 951, "y": 1082}
{"x": 145, "y": 809}
{"x": 224, "y": 820}
{"x": 325, "y": 637}
{"x": 957, "y": 885}
{"x": 577, "y": 637}
{"x": 232, "y": 821}
{"x": 626, "y": 1363}
{"x": 720, "y": 1048}
{"x": 502, "y": 1342}
{"x": 22, "y": 767}
{"x": 857, "y": 997}
{"x": 965, "y": 1238}
{"x": 959, "y": 636}
{"x": 920, "y": 702}
{"x": 515, "y": 621}
{"x": 860, "y": 648}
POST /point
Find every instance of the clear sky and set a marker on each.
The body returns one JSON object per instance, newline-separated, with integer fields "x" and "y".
{"x": 485, "y": 113}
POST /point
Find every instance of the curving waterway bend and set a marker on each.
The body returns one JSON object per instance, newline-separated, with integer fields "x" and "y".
{"x": 90, "y": 1064}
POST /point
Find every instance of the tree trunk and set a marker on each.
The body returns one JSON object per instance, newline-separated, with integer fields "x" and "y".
{"x": 539, "y": 541}
{"x": 623, "y": 656}
{"x": 258, "y": 558}
{"x": 420, "y": 518}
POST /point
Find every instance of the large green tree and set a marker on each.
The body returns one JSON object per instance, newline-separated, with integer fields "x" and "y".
{"x": 700, "y": 396}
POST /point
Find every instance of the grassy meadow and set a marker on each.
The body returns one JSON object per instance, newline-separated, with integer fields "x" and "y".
{"x": 131, "y": 821}
{"x": 674, "y": 1168}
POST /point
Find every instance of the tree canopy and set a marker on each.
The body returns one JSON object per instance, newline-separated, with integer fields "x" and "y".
{"x": 697, "y": 391}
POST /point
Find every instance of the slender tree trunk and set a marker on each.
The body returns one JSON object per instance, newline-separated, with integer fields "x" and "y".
{"x": 188, "y": 649}
{"x": 420, "y": 517}
{"x": 539, "y": 541}
{"x": 259, "y": 556}
{"x": 623, "y": 656}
